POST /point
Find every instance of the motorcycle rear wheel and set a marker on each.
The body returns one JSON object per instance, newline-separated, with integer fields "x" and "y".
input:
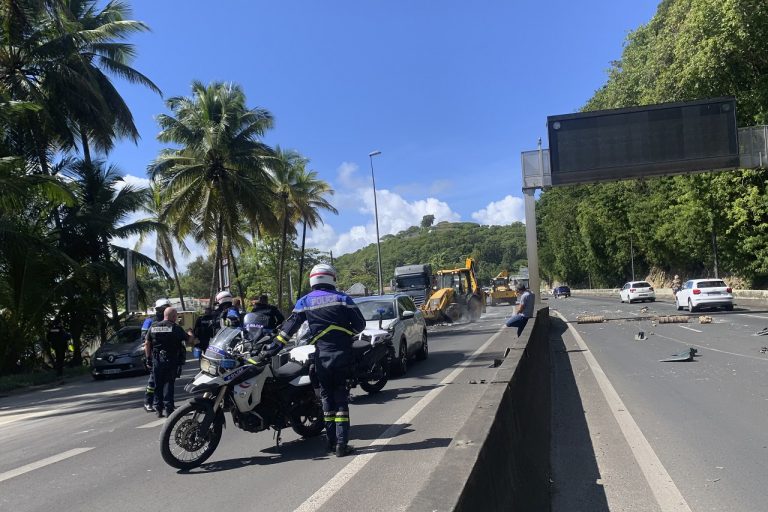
{"x": 374, "y": 386}
{"x": 182, "y": 445}
{"x": 308, "y": 423}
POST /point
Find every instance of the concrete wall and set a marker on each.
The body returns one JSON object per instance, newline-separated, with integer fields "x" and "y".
{"x": 499, "y": 460}
{"x": 756, "y": 295}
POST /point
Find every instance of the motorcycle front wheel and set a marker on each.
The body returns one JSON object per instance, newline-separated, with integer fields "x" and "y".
{"x": 378, "y": 379}
{"x": 182, "y": 444}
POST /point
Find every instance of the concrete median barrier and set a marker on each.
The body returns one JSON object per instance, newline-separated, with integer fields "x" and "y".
{"x": 499, "y": 460}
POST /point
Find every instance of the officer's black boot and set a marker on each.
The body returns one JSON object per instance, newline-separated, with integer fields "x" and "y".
{"x": 344, "y": 449}
{"x": 330, "y": 446}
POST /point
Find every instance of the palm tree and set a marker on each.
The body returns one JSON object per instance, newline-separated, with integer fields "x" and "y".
{"x": 219, "y": 177}
{"x": 165, "y": 238}
{"x": 98, "y": 217}
{"x": 314, "y": 192}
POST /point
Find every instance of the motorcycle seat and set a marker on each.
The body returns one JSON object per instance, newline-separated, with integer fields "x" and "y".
{"x": 289, "y": 371}
{"x": 359, "y": 347}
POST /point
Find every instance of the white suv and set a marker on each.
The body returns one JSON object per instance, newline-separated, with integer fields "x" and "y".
{"x": 704, "y": 293}
{"x": 403, "y": 319}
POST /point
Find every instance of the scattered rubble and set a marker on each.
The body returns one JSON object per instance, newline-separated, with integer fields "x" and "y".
{"x": 762, "y": 332}
{"x": 640, "y": 336}
{"x": 705, "y": 319}
{"x": 682, "y": 357}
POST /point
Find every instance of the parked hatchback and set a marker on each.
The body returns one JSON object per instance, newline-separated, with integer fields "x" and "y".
{"x": 401, "y": 317}
{"x": 123, "y": 353}
{"x": 637, "y": 291}
{"x": 704, "y": 293}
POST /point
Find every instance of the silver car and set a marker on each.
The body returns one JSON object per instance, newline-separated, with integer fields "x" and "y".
{"x": 400, "y": 316}
{"x": 123, "y": 353}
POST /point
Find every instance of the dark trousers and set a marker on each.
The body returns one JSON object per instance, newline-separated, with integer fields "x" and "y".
{"x": 335, "y": 398}
{"x": 518, "y": 321}
{"x": 149, "y": 393}
{"x": 164, "y": 374}
{"x": 60, "y": 353}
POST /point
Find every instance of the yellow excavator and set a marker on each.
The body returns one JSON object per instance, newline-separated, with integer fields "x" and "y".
{"x": 457, "y": 296}
{"x": 501, "y": 290}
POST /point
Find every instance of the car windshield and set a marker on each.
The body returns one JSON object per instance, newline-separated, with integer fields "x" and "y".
{"x": 711, "y": 284}
{"x": 499, "y": 282}
{"x": 124, "y": 336}
{"x": 641, "y": 284}
{"x": 369, "y": 309}
{"x": 411, "y": 282}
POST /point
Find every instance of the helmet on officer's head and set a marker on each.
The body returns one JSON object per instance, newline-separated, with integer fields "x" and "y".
{"x": 223, "y": 297}
{"x": 162, "y": 303}
{"x": 322, "y": 274}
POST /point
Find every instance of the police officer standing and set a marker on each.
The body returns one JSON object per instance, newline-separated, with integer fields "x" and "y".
{"x": 162, "y": 347}
{"x": 333, "y": 319}
{"x": 203, "y": 330}
{"x": 57, "y": 339}
{"x": 149, "y": 393}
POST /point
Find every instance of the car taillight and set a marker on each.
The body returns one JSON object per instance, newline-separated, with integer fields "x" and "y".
{"x": 696, "y": 291}
{"x": 631, "y": 290}
{"x": 729, "y": 289}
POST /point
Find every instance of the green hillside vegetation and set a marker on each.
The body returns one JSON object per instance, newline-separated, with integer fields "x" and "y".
{"x": 445, "y": 245}
{"x": 691, "y": 49}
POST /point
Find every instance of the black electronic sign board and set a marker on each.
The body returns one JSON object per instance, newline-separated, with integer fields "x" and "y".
{"x": 654, "y": 140}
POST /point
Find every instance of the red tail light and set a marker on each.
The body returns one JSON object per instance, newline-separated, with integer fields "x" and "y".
{"x": 729, "y": 289}
{"x": 696, "y": 291}
{"x": 631, "y": 290}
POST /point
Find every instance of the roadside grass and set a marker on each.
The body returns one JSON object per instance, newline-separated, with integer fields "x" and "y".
{"x": 39, "y": 377}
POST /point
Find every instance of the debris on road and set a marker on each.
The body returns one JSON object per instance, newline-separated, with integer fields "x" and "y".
{"x": 640, "y": 336}
{"x": 673, "y": 319}
{"x": 762, "y": 332}
{"x": 590, "y": 319}
{"x": 705, "y": 319}
{"x": 644, "y": 309}
{"x": 682, "y": 357}
{"x": 764, "y": 350}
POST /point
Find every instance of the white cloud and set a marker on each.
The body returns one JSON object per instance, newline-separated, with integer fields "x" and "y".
{"x": 395, "y": 214}
{"x": 347, "y": 176}
{"x": 136, "y": 182}
{"x": 506, "y": 211}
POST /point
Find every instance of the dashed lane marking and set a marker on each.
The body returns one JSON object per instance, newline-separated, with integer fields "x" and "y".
{"x": 42, "y": 463}
{"x": 754, "y": 316}
{"x": 153, "y": 424}
{"x": 665, "y": 491}
{"x": 689, "y": 328}
{"x": 327, "y": 491}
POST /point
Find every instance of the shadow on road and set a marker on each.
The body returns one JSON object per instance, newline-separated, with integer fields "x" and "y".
{"x": 574, "y": 467}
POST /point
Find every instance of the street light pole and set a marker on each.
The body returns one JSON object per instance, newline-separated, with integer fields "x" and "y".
{"x": 376, "y": 215}
{"x": 632, "y": 256}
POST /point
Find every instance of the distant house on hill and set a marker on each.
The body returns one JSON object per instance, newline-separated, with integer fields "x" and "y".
{"x": 357, "y": 290}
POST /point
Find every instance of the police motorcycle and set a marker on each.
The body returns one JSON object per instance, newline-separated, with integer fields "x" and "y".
{"x": 373, "y": 351}
{"x": 258, "y": 397}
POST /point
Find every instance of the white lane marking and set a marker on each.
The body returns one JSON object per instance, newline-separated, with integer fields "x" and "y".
{"x": 665, "y": 491}
{"x": 754, "y": 316}
{"x": 710, "y": 348}
{"x": 153, "y": 424}
{"x": 42, "y": 463}
{"x": 326, "y": 492}
{"x": 689, "y": 328}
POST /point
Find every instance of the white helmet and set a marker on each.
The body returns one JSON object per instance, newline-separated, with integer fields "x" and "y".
{"x": 223, "y": 296}
{"x": 322, "y": 274}
{"x": 162, "y": 303}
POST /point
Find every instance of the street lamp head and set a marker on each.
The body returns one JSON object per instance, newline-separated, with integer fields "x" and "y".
{"x": 374, "y": 153}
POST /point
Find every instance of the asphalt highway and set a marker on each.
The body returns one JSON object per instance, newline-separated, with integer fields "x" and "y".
{"x": 89, "y": 445}
{"x": 703, "y": 421}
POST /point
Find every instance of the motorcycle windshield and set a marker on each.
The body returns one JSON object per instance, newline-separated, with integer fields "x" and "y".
{"x": 221, "y": 346}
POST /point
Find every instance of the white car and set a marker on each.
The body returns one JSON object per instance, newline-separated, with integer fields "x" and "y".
{"x": 704, "y": 293}
{"x": 637, "y": 290}
{"x": 400, "y": 316}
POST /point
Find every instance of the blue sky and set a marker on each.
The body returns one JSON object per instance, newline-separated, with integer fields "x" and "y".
{"x": 451, "y": 92}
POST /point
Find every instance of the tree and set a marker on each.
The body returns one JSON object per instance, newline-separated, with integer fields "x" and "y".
{"x": 427, "y": 221}
{"x": 219, "y": 176}
{"x": 165, "y": 238}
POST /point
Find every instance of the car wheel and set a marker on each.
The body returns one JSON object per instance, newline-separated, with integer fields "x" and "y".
{"x": 651, "y": 300}
{"x": 423, "y": 352}
{"x": 401, "y": 364}
{"x": 691, "y": 308}
{"x": 679, "y": 307}
{"x": 97, "y": 377}
{"x": 729, "y": 307}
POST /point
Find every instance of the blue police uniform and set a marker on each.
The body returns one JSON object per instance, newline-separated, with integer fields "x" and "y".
{"x": 333, "y": 319}
{"x": 165, "y": 337}
{"x": 149, "y": 393}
